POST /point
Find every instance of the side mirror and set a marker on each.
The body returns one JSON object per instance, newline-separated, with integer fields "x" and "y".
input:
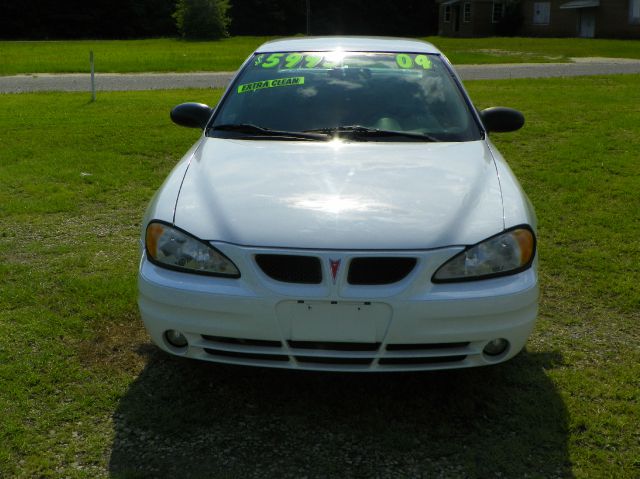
{"x": 501, "y": 119}
{"x": 191, "y": 115}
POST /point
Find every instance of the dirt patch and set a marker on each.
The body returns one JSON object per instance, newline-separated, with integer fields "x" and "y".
{"x": 121, "y": 345}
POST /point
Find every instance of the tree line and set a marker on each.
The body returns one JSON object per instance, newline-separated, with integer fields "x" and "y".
{"x": 203, "y": 19}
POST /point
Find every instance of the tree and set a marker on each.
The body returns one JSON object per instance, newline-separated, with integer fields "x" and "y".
{"x": 268, "y": 17}
{"x": 346, "y": 17}
{"x": 202, "y": 19}
{"x": 116, "y": 19}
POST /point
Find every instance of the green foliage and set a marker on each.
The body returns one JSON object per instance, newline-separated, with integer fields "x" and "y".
{"x": 202, "y": 19}
{"x": 268, "y": 17}
{"x": 352, "y": 17}
{"x": 43, "y": 19}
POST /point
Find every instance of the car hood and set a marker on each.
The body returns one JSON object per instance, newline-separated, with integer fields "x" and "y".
{"x": 342, "y": 195}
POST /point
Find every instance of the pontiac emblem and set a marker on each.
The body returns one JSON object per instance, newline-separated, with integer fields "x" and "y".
{"x": 335, "y": 266}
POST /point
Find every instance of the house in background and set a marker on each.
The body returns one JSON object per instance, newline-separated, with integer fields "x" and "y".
{"x": 469, "y": 18}
{"x": 582, "y": 18}
{"x": 552, "y": 18}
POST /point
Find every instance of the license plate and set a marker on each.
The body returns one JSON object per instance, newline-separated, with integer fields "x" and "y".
{"x": 334, "y": 320}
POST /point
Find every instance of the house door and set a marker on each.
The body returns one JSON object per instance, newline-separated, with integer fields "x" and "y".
{"x": 587, "y": 28}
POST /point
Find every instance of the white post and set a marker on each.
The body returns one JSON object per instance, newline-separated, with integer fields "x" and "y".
{"x": 93, "y": 79}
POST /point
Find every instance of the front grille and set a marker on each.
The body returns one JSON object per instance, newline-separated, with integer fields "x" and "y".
{"x": 291, "y": 268}
{"x": 377, "y": 271}
{"x": 336, "y": 356}
{"x": 369, "y": 271}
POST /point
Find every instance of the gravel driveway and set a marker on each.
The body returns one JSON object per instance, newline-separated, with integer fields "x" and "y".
{"x": 163, "y": 81}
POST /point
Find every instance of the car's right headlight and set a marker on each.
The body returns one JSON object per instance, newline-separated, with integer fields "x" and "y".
{"x": 509, "y": 252}
{"x": 173, "y": 248}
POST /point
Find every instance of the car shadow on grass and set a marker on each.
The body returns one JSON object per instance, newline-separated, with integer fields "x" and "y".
{"x": 183, "y": 418}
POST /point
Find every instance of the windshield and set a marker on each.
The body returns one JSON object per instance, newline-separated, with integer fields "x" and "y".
{"x": 344, "y": 93}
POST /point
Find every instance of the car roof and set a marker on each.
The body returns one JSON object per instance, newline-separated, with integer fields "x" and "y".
{"x": 358, "y": 44}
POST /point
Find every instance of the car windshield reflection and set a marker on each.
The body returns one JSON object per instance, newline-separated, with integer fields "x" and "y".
{"x": 406, "y": 95}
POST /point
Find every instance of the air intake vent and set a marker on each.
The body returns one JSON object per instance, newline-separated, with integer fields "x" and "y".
{"x": 333, "y": 346}
{"x": 291, "y": 268}
{"x": 376, "y": 271}
{"x": 426, "y": 347}
{"x": 421, "y": 361}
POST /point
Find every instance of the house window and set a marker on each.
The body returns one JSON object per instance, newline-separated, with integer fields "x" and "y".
{"x": 447, "y": 14}
{"x": 634, "y": 11}
{"x": 466, "y": 12}
{"x": 541, "y": 13}
{"x": 498, "y": 12}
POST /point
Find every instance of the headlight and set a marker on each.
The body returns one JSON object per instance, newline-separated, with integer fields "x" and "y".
{"x": 174, "y": 249}
{"x": 509, "y": 252}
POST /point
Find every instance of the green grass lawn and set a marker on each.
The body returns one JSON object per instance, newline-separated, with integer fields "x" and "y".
{"x": 171, "y": 55}
{"x": 84, "y": 394}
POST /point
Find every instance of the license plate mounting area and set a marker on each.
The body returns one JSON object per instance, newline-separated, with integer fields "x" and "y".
{"x": 348, "y": 321}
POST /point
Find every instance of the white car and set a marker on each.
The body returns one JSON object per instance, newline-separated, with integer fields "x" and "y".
{"x": 343, "y": 210}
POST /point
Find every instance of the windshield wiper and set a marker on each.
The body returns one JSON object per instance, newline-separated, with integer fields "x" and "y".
{"x": 366, "y": 132}
{"x": 255, "y": 130}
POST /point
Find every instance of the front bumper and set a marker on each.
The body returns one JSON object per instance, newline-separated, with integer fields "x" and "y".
{"x": 410, "y": 325}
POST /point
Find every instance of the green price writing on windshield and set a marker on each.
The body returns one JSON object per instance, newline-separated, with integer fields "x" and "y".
{"x": 405, "y": 61}
{"x": 292, "y": 60}
{"x": 300, "y": 60}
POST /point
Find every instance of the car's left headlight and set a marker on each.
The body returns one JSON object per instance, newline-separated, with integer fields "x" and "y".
{"x": 173, "y": 248}
{"x": 509, "y": 252}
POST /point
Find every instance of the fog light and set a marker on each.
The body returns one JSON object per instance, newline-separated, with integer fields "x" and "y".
{"x": 496, "y": 347}
{"x": 175, "y": 338}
